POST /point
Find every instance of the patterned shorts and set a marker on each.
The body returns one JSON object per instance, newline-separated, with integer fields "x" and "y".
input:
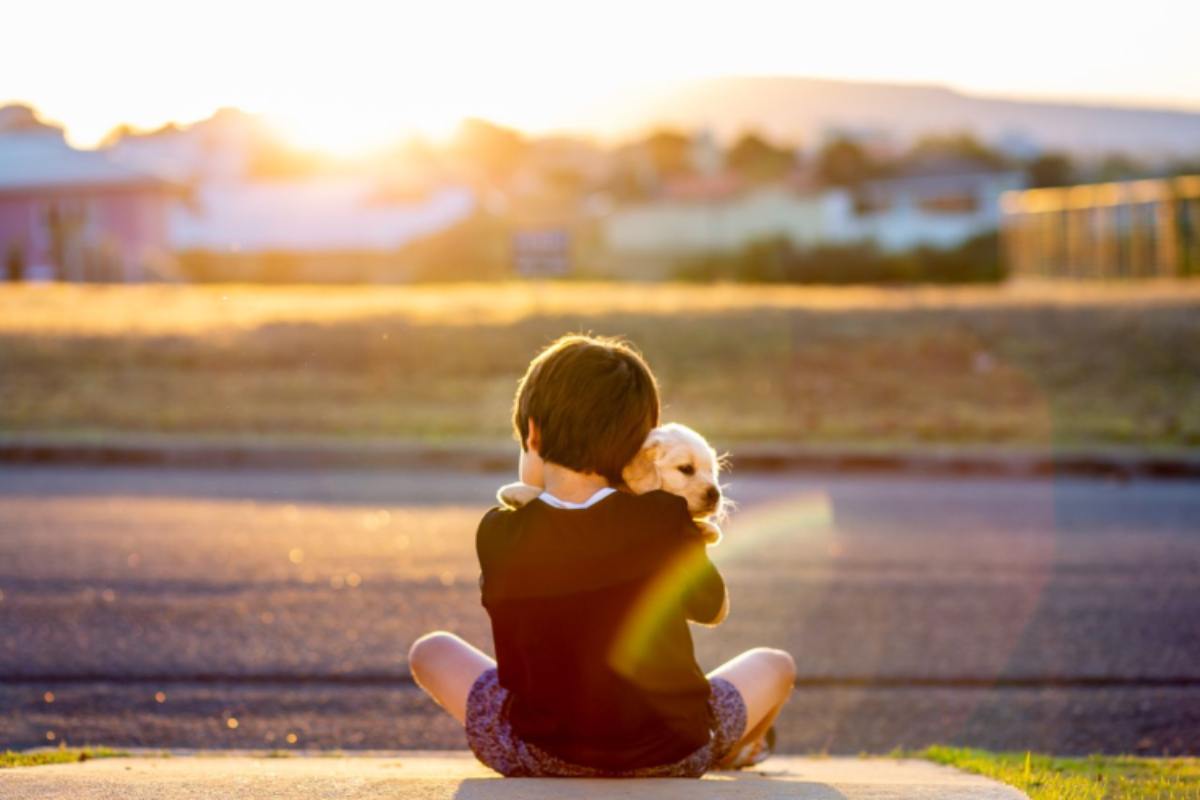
{"x": 493, "y": 742}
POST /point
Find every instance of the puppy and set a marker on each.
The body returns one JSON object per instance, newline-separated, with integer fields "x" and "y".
{"x": 675, "y": 459}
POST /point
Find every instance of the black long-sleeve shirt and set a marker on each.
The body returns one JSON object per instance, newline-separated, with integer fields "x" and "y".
{"x": 589, "y": 611}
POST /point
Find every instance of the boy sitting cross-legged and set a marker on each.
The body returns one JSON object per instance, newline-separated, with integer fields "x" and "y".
{"x": 590, "y": 589}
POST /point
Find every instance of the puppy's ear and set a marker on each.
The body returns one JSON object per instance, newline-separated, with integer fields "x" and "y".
{"x": 641, "y": 474}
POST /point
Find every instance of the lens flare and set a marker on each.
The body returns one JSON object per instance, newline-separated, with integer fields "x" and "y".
{"x": 805, "y": 515}
{"x": 800, "y": 515}
{"x": 630, "y": 650}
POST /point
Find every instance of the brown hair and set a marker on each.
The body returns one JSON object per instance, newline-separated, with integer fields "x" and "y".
{"x": 594, "y": 401}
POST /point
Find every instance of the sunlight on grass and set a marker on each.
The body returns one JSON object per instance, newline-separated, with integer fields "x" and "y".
{"x": 174, "y": 309}
{"x": 1092, "y": 778}
{"x": 63, "y": 755}
{"x": 1027, "y": 364}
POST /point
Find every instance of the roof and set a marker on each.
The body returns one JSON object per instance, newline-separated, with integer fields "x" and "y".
{"x": 33, "y": 161}
{"x": 945, "y": 174}
{"x": 944, "y": 184}
{"x": 703, "y": 188}
{"x": 341, "y": 213}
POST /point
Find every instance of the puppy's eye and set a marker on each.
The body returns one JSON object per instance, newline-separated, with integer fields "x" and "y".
{"x": 688, "y": 469}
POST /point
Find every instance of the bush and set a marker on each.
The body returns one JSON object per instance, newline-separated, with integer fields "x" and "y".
{"x": 478, "y": 248}
{"x": 777, "y": 261}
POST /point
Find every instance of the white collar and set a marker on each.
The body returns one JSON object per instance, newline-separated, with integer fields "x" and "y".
{"x": 551, "y": 500}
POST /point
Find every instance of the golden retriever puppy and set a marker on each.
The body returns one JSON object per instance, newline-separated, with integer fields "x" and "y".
{"x": 675, "y": 459}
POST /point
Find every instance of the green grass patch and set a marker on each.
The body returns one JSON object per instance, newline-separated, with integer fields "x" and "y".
{"x": 63, "y": 755}
{"x": 1092, "y": 778}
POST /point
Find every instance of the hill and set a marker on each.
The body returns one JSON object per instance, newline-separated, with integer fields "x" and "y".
{"x": 802, "y": 109}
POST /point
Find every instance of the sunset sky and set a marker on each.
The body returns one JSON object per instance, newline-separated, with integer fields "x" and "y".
{"x": 349, "y": 75}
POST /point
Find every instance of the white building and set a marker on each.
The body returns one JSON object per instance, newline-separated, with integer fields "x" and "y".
{"x": 235, "y": 209}
{"x": 719, "y": 214}
{"x": 940, "y": 205}
{"x": 311, "y": 215}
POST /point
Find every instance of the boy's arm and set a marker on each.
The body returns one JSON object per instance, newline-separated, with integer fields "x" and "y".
{"x": 486, "y": 550}
{"x": 705, "y": 600}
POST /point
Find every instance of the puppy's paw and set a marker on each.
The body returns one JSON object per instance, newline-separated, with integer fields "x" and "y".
{"x": 709, "y": 531}
{"x": 515, "y": 495}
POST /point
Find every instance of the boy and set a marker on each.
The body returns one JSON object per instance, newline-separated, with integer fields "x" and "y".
{"x": 590, "y": 589}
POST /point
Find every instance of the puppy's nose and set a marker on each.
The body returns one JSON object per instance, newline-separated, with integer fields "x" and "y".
{"x": 712, "y": 495}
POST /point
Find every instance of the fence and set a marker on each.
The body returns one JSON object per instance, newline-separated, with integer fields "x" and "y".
{"x": 1148, "y": 228}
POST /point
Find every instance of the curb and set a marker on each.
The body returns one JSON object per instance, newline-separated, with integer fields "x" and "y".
{"x": 300, "y": 455}
{"x": 495, "y": 456}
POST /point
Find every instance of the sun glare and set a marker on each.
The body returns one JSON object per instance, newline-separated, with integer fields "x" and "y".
{"x": 361, "y": 131}
{"x": 351, "y": 78}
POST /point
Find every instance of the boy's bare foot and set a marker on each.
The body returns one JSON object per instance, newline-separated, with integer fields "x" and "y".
{"x": 751, "y": 754}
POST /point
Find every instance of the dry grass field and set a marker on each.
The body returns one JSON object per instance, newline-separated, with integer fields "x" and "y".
{"x": 1069, "y": 365}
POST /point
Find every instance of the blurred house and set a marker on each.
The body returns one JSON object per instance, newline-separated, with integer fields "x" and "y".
{"x": 342, "y": 228}
{"x": 315, "y": 214}
{"x": 260, "y": 211}
{"x": 718, "y": 213}
{"x": 223, "y": 147}
{"x": 76, "y": 215}
{"x": 939, "y": 204}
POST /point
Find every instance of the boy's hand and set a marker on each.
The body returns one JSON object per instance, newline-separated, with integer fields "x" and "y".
{"x": 515, "y": 495}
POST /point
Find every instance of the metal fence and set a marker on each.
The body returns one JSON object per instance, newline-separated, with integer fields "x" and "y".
{"x": 1148, "y": 228}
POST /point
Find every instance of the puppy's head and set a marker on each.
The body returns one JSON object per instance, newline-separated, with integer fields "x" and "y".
{"x": 678, "y": 460}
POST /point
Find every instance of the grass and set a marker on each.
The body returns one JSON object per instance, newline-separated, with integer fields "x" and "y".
{"x": 1027, "y": 364}
{"x": 1092, "y": 778}
{"x": 63, "y": 755}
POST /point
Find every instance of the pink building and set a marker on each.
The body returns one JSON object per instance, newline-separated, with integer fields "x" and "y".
{"x": 76, "y": 215}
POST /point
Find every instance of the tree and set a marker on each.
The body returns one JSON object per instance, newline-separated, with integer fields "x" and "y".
{"x": 670, "y": 153}
{"x": 958, "y": 146}
{"x": 1120, "y": 167}
{"x": 491, "y": 150}
{"x": 758, "y": 159}
{"x": 116, "y": 135}
{"x": 1051, "y": 169}
{"x": 844, "y": 162}
{"x": 1184, "y": 166}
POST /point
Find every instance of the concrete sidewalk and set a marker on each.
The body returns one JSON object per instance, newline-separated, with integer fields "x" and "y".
{"x": 429, "y": 775}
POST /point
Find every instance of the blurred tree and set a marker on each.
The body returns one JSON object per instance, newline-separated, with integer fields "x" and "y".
{"x": 478, "y": 248}
{"x": 14, "y": 263}
{"x": 975, "y": 260}
{"x": 1051, "y": 169}
{"x": 1120, "y": 167}
{"x": 759, "y": 160}
{"x": 417, "y": 151}
{"x": 1184, "y": 166}
{"x": 492, "y": 151}
{"x": 273, "y": 159}
{"x": 844, "y": 162}
{"x": 962, "y": 145}
{"x": 117, "y": 134}
{"x": 669, "y": 153}
{"x": 564, "y": 180}
{"x": 627, "y": 183}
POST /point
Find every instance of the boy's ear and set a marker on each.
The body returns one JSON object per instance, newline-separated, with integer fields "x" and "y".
{"x": 641, "y": 474}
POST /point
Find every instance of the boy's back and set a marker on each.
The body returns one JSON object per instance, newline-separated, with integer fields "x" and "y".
{"x": 589, "y": 610}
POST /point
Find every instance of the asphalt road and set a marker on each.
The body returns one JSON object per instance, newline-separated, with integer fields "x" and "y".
{"x": 225, "y": 608}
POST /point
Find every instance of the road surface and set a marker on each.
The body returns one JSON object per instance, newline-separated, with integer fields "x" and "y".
{"x": 242, "y": 609}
